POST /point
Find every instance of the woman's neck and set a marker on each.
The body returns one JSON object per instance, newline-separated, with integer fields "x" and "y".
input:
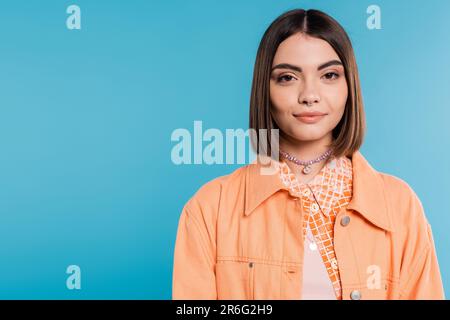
{"x": 305, "y": 151}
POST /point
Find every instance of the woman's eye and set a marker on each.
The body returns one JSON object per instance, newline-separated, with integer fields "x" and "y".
{"x": 331, "y": 76}
{"x": 285, "y": 78}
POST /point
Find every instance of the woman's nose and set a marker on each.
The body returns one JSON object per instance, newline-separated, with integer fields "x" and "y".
{"x": 309, "y": 95}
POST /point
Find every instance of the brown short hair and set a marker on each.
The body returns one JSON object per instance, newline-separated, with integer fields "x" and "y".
{"x": 349, "y": 133}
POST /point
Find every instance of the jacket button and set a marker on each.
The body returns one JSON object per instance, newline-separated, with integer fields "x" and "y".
{"x": 345, "y": 221}
{"x": 355, "y": 295}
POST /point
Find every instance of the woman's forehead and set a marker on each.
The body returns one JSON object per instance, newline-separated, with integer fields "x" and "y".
{"x": 304, "y": 51}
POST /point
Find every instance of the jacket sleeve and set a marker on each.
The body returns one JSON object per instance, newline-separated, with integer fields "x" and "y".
{"x": 421, "y": 279}
{"x": 194, "y": 260}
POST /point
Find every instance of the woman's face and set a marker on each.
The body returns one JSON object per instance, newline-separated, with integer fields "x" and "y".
{"x": 307, "y": 76}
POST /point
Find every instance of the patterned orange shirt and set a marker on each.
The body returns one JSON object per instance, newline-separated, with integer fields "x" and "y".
{"x": 322, "y": 198}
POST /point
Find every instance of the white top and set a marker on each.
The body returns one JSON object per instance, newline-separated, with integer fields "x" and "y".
{"x": 316, "y": 282}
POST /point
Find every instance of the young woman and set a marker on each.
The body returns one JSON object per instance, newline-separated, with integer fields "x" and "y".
{"x": 325, "y": 224}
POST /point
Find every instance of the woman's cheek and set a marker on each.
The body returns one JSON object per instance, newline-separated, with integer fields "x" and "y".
{"x": 338, "y": 98}
{"x": 281, "y": 100}
{"x": 343, "y": 93}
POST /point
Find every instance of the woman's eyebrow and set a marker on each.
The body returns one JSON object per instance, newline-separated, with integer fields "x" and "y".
{"x": 329, "y": 63}
{"x": 297, "y": 68}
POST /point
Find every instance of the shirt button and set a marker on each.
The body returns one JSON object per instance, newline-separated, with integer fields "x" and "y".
{"x": 250, "y": 264}
{"x": 345, "y": 221}
{"x": 315, "y": 207}
{"x": 355, "y": 295}
{"x": 306, "y": 192}
{"x": 334, "y": 264}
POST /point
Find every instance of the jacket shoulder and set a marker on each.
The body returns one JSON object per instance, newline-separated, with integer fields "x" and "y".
{"x": 210, "y": 194}
{"x": 396, "y": 185}
{"x": 406, "y": 207}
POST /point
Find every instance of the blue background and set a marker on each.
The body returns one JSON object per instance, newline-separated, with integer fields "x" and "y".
{"x": 86, "y": 117}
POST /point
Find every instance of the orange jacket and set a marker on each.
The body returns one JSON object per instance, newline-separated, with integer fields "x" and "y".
{"x": 239, "y": 237}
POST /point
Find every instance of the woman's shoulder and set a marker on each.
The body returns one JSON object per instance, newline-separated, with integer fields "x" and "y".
{"x": 406, "y": 206}
{"x": 209, "y": 195}
{"x": 395, "y": 185}
{"x": 396, "y": 190}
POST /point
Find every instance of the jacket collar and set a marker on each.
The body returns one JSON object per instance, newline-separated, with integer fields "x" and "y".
{"x": 368, "y": 192}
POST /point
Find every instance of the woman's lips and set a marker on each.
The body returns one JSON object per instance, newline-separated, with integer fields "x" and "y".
{"x": 310, "y": 119}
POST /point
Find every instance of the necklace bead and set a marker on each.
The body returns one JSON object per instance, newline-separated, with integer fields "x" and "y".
{"x": 306, "y": 164}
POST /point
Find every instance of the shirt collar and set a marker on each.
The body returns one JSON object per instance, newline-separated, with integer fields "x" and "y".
{"x": 329, "y": 185}
{"x": 368, "y": 197}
